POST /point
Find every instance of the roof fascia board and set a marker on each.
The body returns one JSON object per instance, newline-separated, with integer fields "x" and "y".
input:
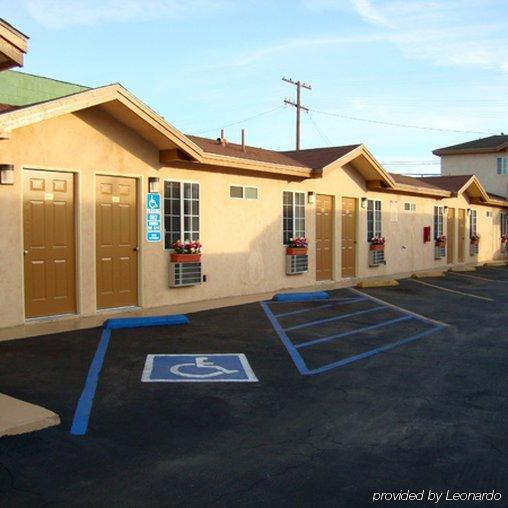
{"x": 355, "y": 153}
{"x": 89, "y": 98}
{"x": 464, "y": 151}
{"x": 249, "y": 164}
{"x": 474, "y": 181}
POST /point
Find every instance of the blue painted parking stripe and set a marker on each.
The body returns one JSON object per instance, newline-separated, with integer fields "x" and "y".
{"x": 334, "y": 318}
{"x": 353, "y": 332}
{"x": 295, "y": 355}
{"x": 343, "y": 301}
{"x": 376, "y": 351}
{"x": 84, "y": 407}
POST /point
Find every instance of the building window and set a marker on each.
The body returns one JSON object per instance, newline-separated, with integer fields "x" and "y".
{"x": 181, "y": 212}
{"x": 473, "y": 220}
{"x": 504, "y": 224}
{"x": 410, "y": 207}
{"x": 293, "y": 215}
{"x": 502, "y": 165}
{"x": 373, "y": 219}
{"x": 243, "y": 192}
{"x": 438, "y": 221}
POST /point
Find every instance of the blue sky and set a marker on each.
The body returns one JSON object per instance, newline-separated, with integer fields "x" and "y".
{"x": 205, "y": 64}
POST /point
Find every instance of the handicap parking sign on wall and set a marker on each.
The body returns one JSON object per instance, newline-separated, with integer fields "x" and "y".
{"x": 229, "y": 367}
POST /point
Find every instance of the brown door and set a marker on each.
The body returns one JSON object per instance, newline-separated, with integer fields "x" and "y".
{"x": 116, "y": 242}
{"x": 48, "y": 235}
{"x": 348, "y": 237}
{"x": 450, "y": 236}
{"x": 324, "y": 210}
{"x": 462, "y": 234}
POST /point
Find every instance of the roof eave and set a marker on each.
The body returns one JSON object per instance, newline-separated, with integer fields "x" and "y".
{"x": 252, "y": 165}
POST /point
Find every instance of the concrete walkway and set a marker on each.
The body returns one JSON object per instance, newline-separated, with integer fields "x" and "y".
{"x": 57, "y": 324}
{"x": 18, "y": 417}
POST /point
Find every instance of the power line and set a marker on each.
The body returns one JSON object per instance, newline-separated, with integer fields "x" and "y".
{"x": 242, "y": 121}
{"x": 393, "y": 124}
{"x": 325, "y": 138}
{"x": 299, "y": 85}
{"x": 411, "y": 163}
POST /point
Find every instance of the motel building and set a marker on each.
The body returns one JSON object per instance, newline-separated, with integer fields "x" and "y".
{"x": 95, "y": 187}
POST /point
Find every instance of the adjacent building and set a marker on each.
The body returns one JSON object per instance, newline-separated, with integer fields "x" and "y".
{"x": 487, "y": 158}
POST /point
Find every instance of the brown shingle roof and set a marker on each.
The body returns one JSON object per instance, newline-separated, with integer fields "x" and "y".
{"x": 318, "y": 158}
{"x": 414, "y": 182}
{"x": 490, "y": 144}
{"x": 251, "y": 152}
{"x": 450, "y": 183}
{"x": 6, "y": 107}
{"x": 497, "y": 197}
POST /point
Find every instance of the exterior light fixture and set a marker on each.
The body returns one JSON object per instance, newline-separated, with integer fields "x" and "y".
{"x": 469, "y": 211}
{"x": 6, "y": 174}
{"x": 153, "y": 184}
{"x": 445, "y": 209}
{"x": 364, "y": 202}
{"x": 311, "y": 198}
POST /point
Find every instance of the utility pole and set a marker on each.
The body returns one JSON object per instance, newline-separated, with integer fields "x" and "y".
{"x": 297, "y": 105}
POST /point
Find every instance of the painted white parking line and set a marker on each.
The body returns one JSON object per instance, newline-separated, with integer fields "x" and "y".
{"x": 479, "y": 278}
{"x": 452, "y": 290}
{"x": 402, "y": 309}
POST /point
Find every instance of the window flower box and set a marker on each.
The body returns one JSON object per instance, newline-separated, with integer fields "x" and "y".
{"x": 185, "y": 258}
{"x": 440, "y": 247}
{"x": 377, "y": 243}
{"x": 474, "y": 241}
{"x": 377, "y": 251}
{"x": 297, "y": 260}
{"x": 296, "y": 251}
{"x": 441, "y": 241}
{"x": 185, "y": 266}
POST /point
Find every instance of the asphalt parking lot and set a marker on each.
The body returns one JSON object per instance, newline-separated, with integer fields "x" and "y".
{"x": 376, "y": 390}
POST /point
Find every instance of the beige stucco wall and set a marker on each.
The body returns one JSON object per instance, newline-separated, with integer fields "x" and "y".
{"x": 243, "y": 251}
{"x": 484, "y": 166}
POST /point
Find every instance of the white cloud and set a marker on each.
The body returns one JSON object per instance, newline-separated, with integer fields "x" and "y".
{"x": 65, "y": 13}
{"x": 444, "y": 32}
{"x": 369, "y": 12}
{"x": 302, "y": 43}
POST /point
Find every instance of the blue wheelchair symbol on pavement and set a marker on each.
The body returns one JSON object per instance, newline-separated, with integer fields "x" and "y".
{"x": 230, "y": 367}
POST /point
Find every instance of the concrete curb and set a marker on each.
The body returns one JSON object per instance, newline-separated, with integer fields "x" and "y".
{"x": 462, "y": 269}
{"x": 430, "y": 273}
{"x": 377, "y": 283}
{"x": 496, "y": 263}
{"x": 19, "y": 417}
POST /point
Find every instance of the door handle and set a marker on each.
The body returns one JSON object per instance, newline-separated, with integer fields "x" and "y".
{"x": 25, "y": 252}
{"x": 135, "y": 249}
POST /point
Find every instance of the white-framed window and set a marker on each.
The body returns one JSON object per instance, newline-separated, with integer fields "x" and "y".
{"x": 373, "y": 219}
{"x": 410, "y": 207}
{"x": 438, "y": 221}
{"x": 473, "y": 223}
{"x": 502, "y": 166}
{"x": 293, "y": 215}
{"x": 181, "y": 212}
{"x": 243, "y": 192}
{"x": 504, "y": 223}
